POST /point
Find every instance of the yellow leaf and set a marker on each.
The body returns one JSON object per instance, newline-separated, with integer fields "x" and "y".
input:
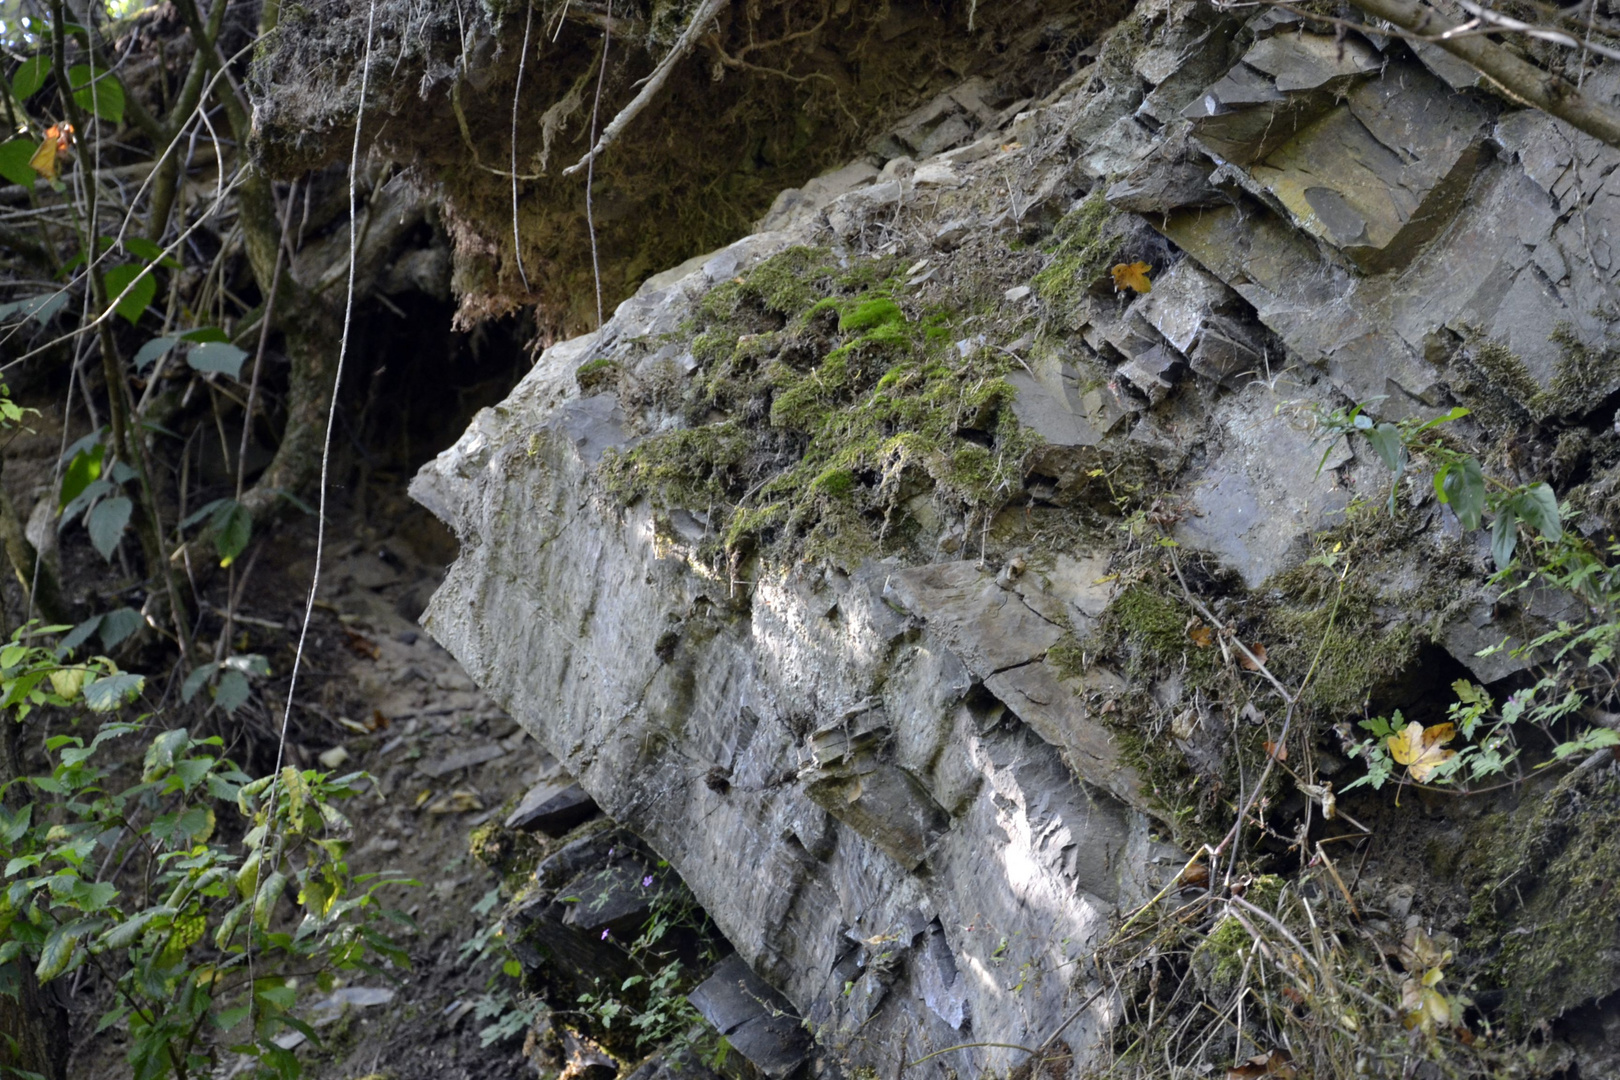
{"x": 47, "y": 159}
{"x": 1419, "y": 748}
{"x": 1133, "y": 276}
{"x": 44, "y": 159}
{"x": 68, "y": 682}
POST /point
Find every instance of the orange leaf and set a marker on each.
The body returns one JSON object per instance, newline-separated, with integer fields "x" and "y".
{"x": 52, "y": 149}
{"x": 1419, "y": 748}
{"x": 1201, "y": 636}
{"x": 1132, "y": 276}
{"x": 1275, "y": 751}
{"x": 1259, "y": 651}
{"x": 1195, "y": 876}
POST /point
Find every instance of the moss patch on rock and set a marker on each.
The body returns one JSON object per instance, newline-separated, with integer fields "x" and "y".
{"x": 827, "y": 400}
{"x": 1546, "y": 912}
{"x": 1083, "y": 246}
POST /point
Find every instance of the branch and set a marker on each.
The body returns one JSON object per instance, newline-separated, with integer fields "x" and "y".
{"x": 1546, "y": 91}
{"x": 655, "y": 83}
{"x": 1541, "y": 33}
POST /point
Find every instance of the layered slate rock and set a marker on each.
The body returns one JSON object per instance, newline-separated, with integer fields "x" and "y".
{"x": 1347, "y": 166}
{"x": 876, "y": 804}
{"x": 891, "y": 781}
{"x": 759, "y": 1023}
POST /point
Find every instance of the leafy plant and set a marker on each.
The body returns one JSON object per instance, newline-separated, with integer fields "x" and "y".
{"x": 1459, "y": 479}
{"x": 1578, "y": 669}
{"x": 143, "y": 884}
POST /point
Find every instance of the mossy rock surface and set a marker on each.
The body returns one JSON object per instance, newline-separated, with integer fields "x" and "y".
{"x": 1546, "y": 907}
{"x": 827, "y": 399}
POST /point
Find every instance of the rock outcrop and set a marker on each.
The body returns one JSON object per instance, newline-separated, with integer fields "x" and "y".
{"x": 901, "y": 775}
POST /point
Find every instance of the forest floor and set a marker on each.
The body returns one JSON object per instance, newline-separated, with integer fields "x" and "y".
{"x": 374, "y": 686}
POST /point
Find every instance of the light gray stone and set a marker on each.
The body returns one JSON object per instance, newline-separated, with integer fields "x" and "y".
{"x": 990, "y": 627}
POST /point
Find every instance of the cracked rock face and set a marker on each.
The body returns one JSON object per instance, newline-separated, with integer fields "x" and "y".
{"x": 876, "y": 806}
{"x": 890, "y": 784}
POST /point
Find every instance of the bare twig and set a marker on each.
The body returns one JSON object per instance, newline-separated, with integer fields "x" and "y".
{"x": 517, "y": 92}
{"x": 590, "y": 171}
{"x": 655, "y": 83}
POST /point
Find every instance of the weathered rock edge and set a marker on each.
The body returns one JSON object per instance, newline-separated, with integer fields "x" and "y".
{"x": 884, "y": 835}
{"x": 870, "y": 780}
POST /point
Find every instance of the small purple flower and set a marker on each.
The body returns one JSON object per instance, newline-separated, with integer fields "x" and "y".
{"x": 646, "y": 881}
{"x": 604, "y": 935}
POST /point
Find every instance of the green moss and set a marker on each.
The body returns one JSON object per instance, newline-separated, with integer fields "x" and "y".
{"x": 597, "y": 376}
{"x": 1585, "y": 376}
{"x": 835, "y": 482}
{"x": 1545, "y": 907}
{"x": 1156, "y": 620}
{"x": 1342, "y": 643}
{"x": 1495, "y": 382}
{"x": 1219, "y": 958}
{"x": 691, "y": 467}
{"x": 1084, "y": 244}
{"x": 823, "y": 397}
{"x": 1067, "y": 656}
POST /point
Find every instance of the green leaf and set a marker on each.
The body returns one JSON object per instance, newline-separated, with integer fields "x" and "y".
{"x": 79, "y": 635}
{"x": 153, "y": 350}
{"x": 1386, "y": 442}
{"x": 228, "y": 925}
{"x": 232, "y": 691}
{"x": 1455, "y": 414}
{"x": 14, "y": 825}
{"x": 81, "y": 471}
{"x": 95, "y": 490}
{"x": 57, "y": 952}
{"x": 129, "y": 297}
{"x": 113, "y": 691}
{"x": 249, "y": 664}
{"x": 107, "y": 523}
{"x": 1595, "y": 739}
{"x": 142, "y": 248}
{"x": 98, "y": 91}
{"x": 160, "y": 755}
{"x": 118, "y": 625}
{"x": 512, "y": 968}
{"x": 15, "y": 156}
{"x": 196, "y": 824}
{"x": 1537, "y": 506}
{"x": 1462, "y": 486}
{"x": 217, "y": 356}
{"x": 40, "y": 308}
{"x": 97, "y": 896}
{"x": 196, "y": 681}
{"x": 225, "y": 1019}
{"x": 190, "y": 771}
{"x": 202, "y": 512}
{"x": 1504, "y": 536}
{"x": 264, "y": 903}
{"x": 30, "y": 76}
{"x": 111, "y": 1017}
{"x": 233, "y": 528}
